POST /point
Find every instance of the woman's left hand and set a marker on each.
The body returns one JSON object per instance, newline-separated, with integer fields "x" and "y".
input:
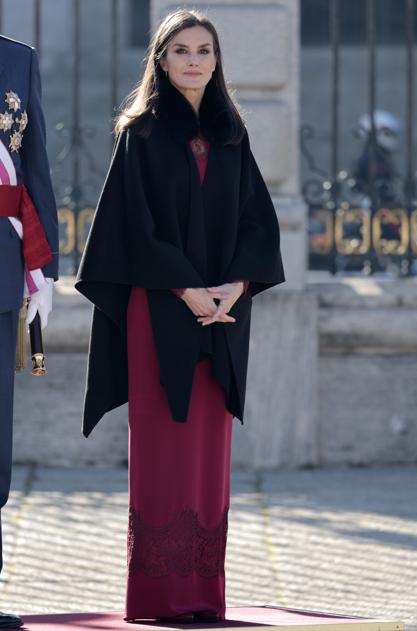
{"x": 227, "y": 294}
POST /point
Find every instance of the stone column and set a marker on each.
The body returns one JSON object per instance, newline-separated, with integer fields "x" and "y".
{"x": 260, "y": 45}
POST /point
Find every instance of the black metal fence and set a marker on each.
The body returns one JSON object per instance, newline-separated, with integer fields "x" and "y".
{"x": 364, "y": 217}
{"x": 360, "y": 218}
{"x": 74, "y": 210}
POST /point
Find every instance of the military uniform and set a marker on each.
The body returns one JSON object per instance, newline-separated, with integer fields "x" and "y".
{"x": 23, "y": 161}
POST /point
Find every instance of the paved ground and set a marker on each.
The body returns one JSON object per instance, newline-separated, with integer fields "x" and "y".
{"x": 331, "y": 540}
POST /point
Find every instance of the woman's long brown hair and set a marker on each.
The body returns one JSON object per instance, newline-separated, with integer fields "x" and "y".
{"x": 145, "y": 95}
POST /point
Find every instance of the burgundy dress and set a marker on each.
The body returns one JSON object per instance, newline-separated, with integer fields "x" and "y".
{"x": 179, "y": 479}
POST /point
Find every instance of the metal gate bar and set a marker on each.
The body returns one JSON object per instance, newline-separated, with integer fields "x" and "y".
{"x": 114, "y": 56}
{"x": 334, "y": 38}
{"x": 371, "y": 31}
{"x": 76, "y": 123}
{"x": 410, "y": 103}
{"x": 37, "y": 26}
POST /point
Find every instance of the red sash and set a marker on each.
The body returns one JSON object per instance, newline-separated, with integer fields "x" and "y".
{"x": 15, "y": 202}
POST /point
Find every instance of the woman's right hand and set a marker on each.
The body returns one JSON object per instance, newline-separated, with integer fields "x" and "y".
{"x": 201, "y": 304}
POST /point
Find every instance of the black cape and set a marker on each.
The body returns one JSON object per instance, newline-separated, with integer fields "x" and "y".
{"x": 157, "y": 227}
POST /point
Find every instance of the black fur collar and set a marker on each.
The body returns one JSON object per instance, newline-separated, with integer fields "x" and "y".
{"x": 214, "y": 119}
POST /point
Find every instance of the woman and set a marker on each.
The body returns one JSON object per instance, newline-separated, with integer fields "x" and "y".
{"x": 184, "y": 235}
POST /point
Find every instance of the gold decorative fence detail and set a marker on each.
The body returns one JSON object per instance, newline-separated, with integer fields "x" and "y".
{"x": 73, "y": 225}
{"x": 350, "y": 231}
{"x": 355, "y": 231}
{"x": 391, "y": 231}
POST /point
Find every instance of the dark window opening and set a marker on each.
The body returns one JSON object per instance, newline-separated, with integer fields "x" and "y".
{"x": 139, "y": 23}
{"x": 390, "y": 21}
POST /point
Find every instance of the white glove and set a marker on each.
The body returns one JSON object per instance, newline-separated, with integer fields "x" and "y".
{"x": 41, "y": 301}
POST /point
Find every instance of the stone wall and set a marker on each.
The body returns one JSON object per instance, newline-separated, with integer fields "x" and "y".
{"x": 367, "y": 380}
{"x": 352, "y": 348}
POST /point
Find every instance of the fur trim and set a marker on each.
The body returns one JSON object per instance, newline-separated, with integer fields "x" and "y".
{"x": 214, "y": 119}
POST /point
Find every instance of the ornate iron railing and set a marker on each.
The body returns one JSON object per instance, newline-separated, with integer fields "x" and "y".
{"x": 76, "y": 192}
{"x": 364, "y": 218}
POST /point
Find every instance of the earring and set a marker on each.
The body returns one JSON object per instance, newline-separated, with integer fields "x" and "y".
{"x": 166, "y": 73}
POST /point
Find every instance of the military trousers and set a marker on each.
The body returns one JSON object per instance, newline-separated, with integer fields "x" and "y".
{"x": 8, "y": 334}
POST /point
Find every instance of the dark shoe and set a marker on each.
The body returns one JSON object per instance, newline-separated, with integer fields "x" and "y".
{"x": 10, "y": 621}
{"x": 186, "y": 618}
{"x": 206, "y": 616}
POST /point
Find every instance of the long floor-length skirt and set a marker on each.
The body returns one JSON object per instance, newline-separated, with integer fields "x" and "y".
{"x": 179, "y": 485}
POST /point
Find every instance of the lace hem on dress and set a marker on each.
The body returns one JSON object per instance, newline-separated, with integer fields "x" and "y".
{"x": 181, "y": 546}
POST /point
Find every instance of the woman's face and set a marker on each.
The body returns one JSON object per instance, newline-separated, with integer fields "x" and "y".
{"x": 190, "y": 59}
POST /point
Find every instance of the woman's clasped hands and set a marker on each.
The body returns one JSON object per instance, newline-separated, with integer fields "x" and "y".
{"x": 201, "y": 302}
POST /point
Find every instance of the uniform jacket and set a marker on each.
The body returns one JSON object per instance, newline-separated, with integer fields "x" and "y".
{"x": 23, "y": 160}
{"x": 157, "y": 227}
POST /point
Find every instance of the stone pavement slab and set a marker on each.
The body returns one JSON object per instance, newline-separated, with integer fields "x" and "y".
{"x": 336, "y": 540}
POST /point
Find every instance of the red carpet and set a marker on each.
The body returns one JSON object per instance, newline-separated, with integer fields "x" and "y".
{"x": 237, "y": 617}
